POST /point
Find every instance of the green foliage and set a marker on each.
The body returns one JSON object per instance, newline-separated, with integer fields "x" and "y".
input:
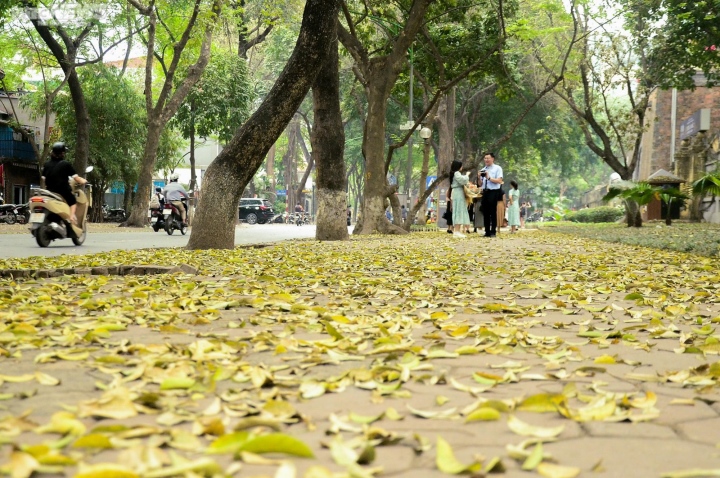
{"x": 696, "y": 238}
{"x": 118, "y": 121}
{"x": 688, "y": 40}
{"x": 708, "y": 185}
{"x": 596, "y": 214}
{"x": 220, "y": 101}
{"x": 641, "y": 193}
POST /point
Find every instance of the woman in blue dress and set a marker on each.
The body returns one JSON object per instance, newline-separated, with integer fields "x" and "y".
{"x": 460, "y": 217}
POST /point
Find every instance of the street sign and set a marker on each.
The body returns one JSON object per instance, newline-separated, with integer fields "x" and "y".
{"x": 699, "y": 121}
{"x": 429, "y": 180}
{"x": 407, "y": 125}
{"x": 281, "y": 192}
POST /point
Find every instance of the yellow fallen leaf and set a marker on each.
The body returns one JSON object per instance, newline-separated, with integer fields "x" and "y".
{"x": 483, "y": 414}
{"x": 534, "y": 459}
{"x": 549, "y": 470}
{"x": 105, "y": 470}
{"x": 447, "y": 463}
{"x": 605, "y": 359}
{"x": 524, "y": 429}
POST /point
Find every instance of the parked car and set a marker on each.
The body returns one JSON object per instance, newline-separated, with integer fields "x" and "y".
{"x": 255, "y": 210}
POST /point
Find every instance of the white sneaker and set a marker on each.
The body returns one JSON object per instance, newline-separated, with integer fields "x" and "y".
{"x": 458, "y": 234}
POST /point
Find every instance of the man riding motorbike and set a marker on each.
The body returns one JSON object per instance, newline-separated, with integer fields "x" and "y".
{"x": 174, "y": 192}
{"x": 56, "y": 173}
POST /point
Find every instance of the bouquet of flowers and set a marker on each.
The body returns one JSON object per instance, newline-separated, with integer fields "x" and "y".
{"x": 471, "y": 192}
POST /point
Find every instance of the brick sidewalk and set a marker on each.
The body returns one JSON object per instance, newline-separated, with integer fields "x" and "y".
{"x": 374, "y": 350}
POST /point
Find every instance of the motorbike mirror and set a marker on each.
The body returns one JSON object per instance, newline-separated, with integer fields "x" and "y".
{"x": 89, "y": 168}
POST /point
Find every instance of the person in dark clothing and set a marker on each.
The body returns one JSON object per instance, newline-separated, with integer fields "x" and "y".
{"x": 57, "y": 173}
{"x": 492, "y": 181}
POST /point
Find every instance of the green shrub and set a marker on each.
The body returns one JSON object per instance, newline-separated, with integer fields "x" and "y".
{"x": 595, "y": 214}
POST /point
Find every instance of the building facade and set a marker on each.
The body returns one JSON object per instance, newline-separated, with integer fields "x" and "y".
{"x": 676, "y": 141}
{"x": 19, "y": 170}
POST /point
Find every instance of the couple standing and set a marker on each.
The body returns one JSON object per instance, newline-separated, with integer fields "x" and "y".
{"x": 490, "y": 181}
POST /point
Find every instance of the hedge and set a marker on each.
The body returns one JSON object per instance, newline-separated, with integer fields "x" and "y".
{"x": 595, "y": 214}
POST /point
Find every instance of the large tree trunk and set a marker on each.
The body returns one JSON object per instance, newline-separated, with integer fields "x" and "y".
{"x": 377, "y": 189}
{"x": 328, "y": 147}
{"x": 309, "y": 161}
{"x": 82, "y": 120}
{"x": 228, "y": 175}
{"x": 193, "y": 177}
{"x": 138, "y": 215}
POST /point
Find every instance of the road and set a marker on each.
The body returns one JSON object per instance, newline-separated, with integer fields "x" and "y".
{"x": 23, "y": 245}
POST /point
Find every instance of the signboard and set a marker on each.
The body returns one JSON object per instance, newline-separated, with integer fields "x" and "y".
{"x": 429, "y": 180}
{"x": 699, "y": 121}
{"x": 281, "y": 192}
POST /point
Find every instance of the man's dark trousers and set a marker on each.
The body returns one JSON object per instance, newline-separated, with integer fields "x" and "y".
{"x": 489, "y": 208}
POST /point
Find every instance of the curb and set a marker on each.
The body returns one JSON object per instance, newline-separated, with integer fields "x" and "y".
{"x": 97, "y": 271}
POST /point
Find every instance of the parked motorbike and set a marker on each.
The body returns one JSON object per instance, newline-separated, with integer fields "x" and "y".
{"x": 7, "y": 213}
{"x": 22, "y": 212}
{"x": 50, "y": 215}
{"x": 173, "y": 218}
{"x": 113, "y": 214}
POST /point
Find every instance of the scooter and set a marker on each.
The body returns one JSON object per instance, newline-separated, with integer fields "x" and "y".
{"x": 7, "y": 213}
{"x": 173, "y": 218}
{"x": 50, "y": 215}
{"x": 157, "y": 218}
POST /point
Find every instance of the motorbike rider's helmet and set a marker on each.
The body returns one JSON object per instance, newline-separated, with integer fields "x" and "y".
{"x": 59, "y": 148}
{"x": 157, "y": 190}
{"x": 174, "y": 177}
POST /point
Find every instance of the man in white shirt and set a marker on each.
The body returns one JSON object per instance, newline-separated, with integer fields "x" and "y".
{"x": 492, "y": 185}
{"x": 174, "y": 192}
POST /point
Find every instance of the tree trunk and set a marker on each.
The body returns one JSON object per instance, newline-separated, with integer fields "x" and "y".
{"x": 632, "y": 214}
{"x": 290, "y": 167}
{"x": 377, "y": 189}
{"x": 82, "y": 119}
{"x": 138, "y": 215}
{"x": 309, "y": 160}
{"x": 193, "y": 178}
{"x": 227, "y": 176}
{"x": 328, "y": 147}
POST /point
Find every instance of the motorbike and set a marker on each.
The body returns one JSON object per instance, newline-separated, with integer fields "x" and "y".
{"x": 113, "y": 214}
{"x": 157, "y": 218}
{"x": 22, "y": 212}
{"x": 50, "y": 215}
{"x": 7, "y": 213}
{"x": 173, "y": 218}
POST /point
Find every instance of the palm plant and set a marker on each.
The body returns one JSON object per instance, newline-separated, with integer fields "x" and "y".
{"x": 668, "y": 196}
{"x": 634, "y": 195}
{"x": 708, "y": 185}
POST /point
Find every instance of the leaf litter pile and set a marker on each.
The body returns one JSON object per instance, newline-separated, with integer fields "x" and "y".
{"x": 417, "y": 356}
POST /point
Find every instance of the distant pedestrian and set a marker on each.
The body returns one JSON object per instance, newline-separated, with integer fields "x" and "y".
{"x": 403, "y": 213}
{"x": 513, "y": 207}
{"x": 524, "y": 207}
{"x": 502, "y": 201}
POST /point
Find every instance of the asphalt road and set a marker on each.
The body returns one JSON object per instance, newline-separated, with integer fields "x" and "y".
{"x": 24, "y": 245}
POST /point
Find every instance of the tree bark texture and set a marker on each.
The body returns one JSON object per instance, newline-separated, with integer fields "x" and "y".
{"x": 232, "y": 170}
{"x": 328, "y": 148}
